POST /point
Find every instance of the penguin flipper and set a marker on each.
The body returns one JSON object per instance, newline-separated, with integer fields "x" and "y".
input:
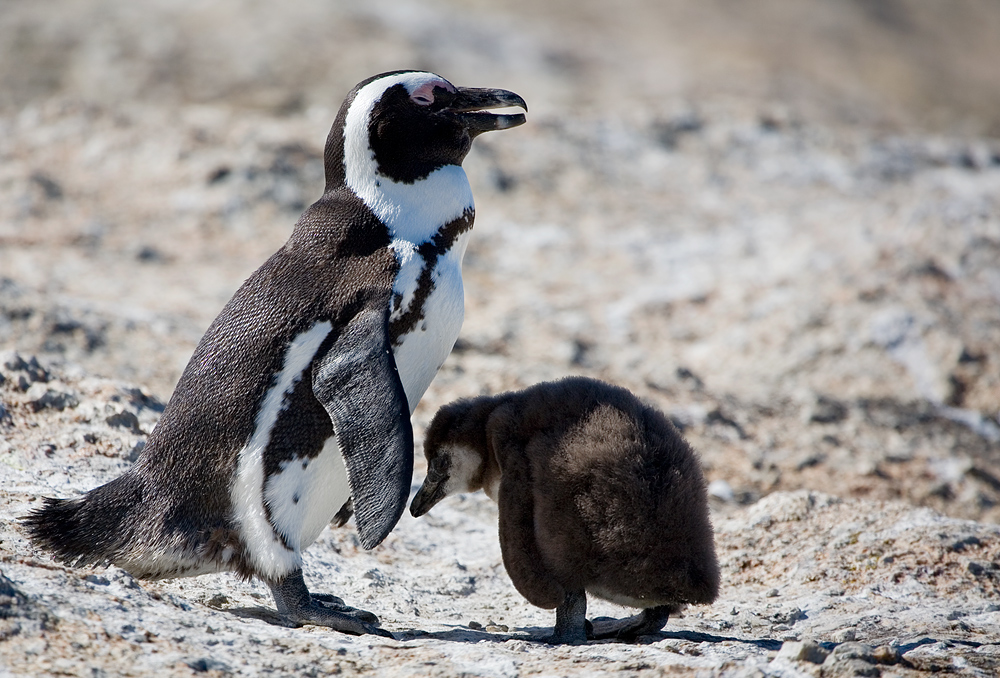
{"x": 515, "y": 500}
{"x": 357, "y": 383}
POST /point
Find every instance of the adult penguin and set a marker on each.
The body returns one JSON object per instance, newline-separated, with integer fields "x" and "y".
{"x": 295, "y": 407}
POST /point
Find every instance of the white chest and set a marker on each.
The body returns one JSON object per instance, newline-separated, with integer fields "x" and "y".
{"x": 428, "y": 302}
{"x": 429, "y": 308}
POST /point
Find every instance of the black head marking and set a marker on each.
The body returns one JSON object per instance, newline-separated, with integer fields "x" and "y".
{"x": 415, "y": 122}
{"x": 412, "y": 140}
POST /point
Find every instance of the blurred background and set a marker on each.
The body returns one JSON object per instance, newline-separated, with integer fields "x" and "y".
{"x": 776, "y": 220}
{"x": 890, "y": 62}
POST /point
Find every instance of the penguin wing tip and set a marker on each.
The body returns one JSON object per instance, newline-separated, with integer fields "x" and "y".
{"x": 369, "y": 543}
{"x": 372, "y": 530}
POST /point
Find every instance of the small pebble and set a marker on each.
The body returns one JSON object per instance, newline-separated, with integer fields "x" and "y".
{"x": 885, "y": 654}
{"x": 844, "y": 636}
{"x": 217, "y": 601}
{"x": 805, "y": 651}
{"x": 851, "y": 650}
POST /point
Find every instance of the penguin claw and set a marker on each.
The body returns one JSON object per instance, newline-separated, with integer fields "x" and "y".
{"x": 376, "y": 631}
{"x": 363, "y": 615}
{"x": 331, "y": 602}
{"x": 297, "y": 606}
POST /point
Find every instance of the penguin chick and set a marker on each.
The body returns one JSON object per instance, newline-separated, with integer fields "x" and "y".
{"x": 295, "y": 407}
{"x": 597, "y": 493}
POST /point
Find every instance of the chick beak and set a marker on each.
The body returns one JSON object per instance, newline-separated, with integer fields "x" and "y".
{"x": 429, "y": 494}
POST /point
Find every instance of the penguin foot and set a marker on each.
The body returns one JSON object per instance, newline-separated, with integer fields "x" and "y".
{"x": 332, "y": 602}
{"x": 320, "y": 615}
{"x": 571, "y": 621}
{"x": 650, "y": 620}
{"x": 297, "y": 607}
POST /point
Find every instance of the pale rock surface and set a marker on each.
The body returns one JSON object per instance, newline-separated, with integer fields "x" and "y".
{"x": 810, "y": 582}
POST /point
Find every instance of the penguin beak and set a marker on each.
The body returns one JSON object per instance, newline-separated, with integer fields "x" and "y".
{"x": 470, "y": 106}
{"x": 429, "y": 494}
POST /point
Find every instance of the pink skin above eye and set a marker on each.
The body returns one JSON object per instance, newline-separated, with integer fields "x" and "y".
{"x": 424, "y": 95}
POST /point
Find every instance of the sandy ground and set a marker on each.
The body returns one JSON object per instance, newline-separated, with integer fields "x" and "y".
{"x": 781, "y": 227}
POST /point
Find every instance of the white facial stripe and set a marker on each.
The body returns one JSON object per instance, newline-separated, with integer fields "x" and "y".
{"x": 465, "y": 465}
{"x": 410, "y": 211}
{"x": 357, "y": 151}
{"x": 306, "y": 494}
{"x": 268, "y": 555}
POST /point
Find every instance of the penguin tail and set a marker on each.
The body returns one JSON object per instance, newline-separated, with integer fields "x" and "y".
{"x": 87, "y": 530}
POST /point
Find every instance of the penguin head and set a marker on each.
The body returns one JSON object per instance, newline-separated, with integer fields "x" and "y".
{"x": 402, "y": 126}
{"x": 457, "y": 453}
{"x": 451, "y": 469}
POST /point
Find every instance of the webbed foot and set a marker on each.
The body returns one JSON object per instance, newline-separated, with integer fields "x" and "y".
{"x": 297, "y": 607}
{"x": 650, "y": 620}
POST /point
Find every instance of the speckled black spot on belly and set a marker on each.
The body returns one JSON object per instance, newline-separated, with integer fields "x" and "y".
{"x": 430, "y": 252}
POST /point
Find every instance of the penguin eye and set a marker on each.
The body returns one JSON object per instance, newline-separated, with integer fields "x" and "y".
{"x": 439, "y": 466}
{"x": 424, "y": 95}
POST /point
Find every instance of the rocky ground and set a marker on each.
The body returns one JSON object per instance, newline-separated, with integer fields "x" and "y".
{"x": 804, "y": 278}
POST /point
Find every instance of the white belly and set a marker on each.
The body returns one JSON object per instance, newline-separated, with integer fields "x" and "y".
{"x": 306, "y": 494}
